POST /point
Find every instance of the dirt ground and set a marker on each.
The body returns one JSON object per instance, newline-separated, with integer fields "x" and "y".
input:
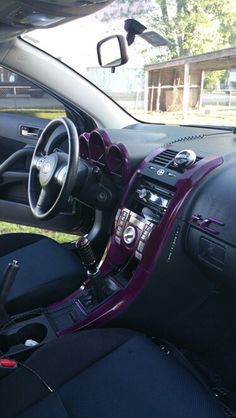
{"x": 220, "y": 116}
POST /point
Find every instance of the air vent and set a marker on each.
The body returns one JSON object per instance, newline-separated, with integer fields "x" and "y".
{"x": 164, "y": 158}
{"x": 173, "y": 167}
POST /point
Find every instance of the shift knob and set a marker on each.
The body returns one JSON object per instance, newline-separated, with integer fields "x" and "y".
{"x": 87, "y": 255}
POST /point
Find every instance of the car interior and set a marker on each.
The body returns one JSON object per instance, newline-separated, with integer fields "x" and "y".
{"x": 135, "y": 317}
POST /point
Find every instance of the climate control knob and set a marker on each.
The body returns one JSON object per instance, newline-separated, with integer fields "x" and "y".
{"x": 129, "y": 235}
{"x": 142, "y": 193}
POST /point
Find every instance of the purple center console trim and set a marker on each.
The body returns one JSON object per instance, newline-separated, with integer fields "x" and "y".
{"x": 121, "y": 300}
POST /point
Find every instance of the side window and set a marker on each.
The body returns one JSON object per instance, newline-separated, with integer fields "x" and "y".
{"x": 20, "y": 96}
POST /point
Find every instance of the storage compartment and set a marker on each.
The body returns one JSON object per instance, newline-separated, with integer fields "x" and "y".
{"x": 215, "y": 255}
{"x": 35, "y": 332}
{"x": 38, "y": 330}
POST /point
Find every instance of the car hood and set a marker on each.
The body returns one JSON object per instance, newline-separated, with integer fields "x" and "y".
{"x": 19, "y": 16}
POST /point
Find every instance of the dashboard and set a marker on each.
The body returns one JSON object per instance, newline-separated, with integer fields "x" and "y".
{"x": 173, "y": 244}
{"x": 159, "y": 175}
{"x": 159, "y": 202}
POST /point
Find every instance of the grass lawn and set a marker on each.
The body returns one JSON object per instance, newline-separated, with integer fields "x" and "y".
{"x": 6, "y": 227}
{"x": 9, "y": 227}
{"x": 210, "y": 115}
{"x": 37, "y": 113}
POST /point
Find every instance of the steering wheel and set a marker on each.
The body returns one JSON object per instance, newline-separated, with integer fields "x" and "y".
{"x": 52, "y": 176}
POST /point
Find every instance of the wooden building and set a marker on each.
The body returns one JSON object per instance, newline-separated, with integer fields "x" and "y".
{"x": 178, "y": 84}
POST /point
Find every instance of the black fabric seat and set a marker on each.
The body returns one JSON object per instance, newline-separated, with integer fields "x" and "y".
{"x": 48, "y": 271}
{"x": 105, "y": 373}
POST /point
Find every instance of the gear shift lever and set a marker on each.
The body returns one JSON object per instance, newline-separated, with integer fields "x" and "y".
{"x": 9, "y": 276}
{"x": 90, "y": 263}
{"x": 87, "y": 255}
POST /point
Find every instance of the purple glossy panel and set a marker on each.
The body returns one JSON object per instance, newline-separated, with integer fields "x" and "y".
{"x": 184, "y": 186}
{"x": 138, "y": 170}
{"x": 84, "y": 146}
{"x": 113, "y": 256}
{"x": 206, "y": 224}
{"x": 102, "y": 151}
{"x": 104, "y": 135}
{"x": 152, "y": 249}
{"x": 98, "y": 146}
{"x": 118, "y": 162}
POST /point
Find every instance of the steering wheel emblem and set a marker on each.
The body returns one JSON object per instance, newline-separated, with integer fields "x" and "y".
{"x": 46, "y": 168}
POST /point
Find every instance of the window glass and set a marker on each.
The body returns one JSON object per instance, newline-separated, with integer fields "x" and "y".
{"x": 20, "y": 96}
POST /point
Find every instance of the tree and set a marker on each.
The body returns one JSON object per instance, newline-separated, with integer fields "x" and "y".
{"x": 123, "y": 9}
{"x": 196, "y": 26}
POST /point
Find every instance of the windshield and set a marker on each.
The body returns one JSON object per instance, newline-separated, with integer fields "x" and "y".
{"x": 191, "y": 81}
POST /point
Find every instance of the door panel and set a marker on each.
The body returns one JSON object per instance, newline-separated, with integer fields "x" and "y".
{"x": 20, "y": 125}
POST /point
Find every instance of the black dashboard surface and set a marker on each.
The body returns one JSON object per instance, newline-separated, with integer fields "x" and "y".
{"x": 202, "y": 140}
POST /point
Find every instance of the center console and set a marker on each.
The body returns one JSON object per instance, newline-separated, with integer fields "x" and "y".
{"x": 145, "y": 207}
{"x": 143, "y": 222}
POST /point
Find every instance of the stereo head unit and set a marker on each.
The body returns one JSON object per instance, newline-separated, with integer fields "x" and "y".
{"x": 150, "y": 200}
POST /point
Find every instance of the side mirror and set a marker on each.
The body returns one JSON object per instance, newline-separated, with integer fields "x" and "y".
{"x": 112, "y": 52}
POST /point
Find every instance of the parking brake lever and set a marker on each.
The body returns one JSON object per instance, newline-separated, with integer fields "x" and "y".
{"x": 8, "y": 279}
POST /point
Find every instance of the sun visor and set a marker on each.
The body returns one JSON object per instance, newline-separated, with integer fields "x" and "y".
{"x": 30, "y": 14}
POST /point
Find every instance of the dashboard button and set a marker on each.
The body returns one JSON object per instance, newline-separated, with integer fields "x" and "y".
{"x": 145, "y": 235}
{"x": 141, "y": 246}
{"x": 138, "y": 255}
{"x": 124, "y": 214}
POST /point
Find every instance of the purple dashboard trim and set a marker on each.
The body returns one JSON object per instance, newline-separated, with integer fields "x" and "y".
{"x": 121, "y": 300}
{"x": 106, "y": 148}
{"x": 114, "y": 151}
{"x": 205, "y": 224}
{"x": 98, "y": 145}
{"x": 84, "y": 146}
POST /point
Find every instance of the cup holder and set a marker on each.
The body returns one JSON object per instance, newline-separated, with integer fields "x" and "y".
{"x": 18, "y": 337}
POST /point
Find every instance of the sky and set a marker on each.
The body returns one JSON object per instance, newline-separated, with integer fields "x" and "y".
{"x": 75, "y": 42}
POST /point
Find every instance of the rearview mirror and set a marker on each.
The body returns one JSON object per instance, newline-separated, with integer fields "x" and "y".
{"x": 112, "y": 52}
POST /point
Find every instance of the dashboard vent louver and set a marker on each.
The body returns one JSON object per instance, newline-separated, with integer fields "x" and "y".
{"x": 164, "y": 158}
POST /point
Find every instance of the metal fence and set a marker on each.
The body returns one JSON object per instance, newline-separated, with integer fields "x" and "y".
{"x": 136, "y": 101}
{"x": 18, "y": 96}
